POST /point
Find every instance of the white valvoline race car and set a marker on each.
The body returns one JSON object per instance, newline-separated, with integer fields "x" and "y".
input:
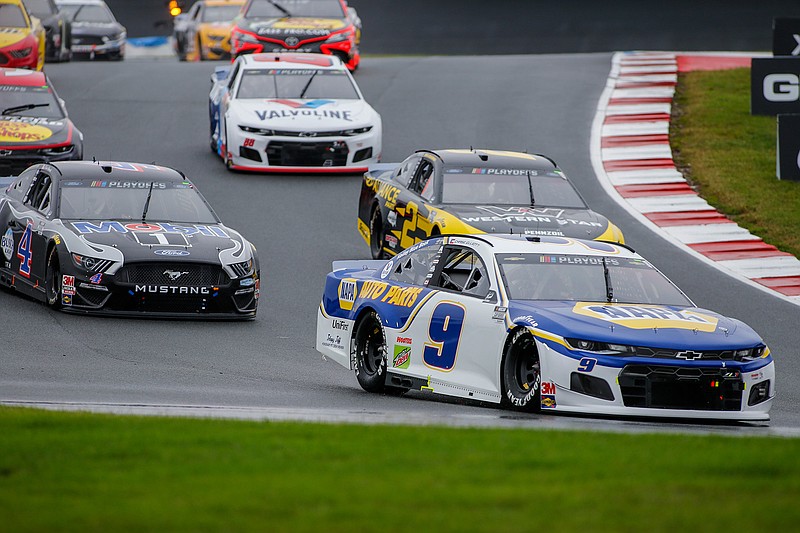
{"x": 546, "y": 323}
{"x": 292, "y": 112}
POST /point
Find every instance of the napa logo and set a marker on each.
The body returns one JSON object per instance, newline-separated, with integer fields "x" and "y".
{"x": 348, "y": 292}
{"x": 647, "y": 316}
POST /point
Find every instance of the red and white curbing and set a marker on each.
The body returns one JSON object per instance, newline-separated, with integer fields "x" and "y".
{"x": 632, "y": 158}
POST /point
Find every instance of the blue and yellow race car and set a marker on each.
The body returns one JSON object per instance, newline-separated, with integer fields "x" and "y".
{"x": 541, "y": 323}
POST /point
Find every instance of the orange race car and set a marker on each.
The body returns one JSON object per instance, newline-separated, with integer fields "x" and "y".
{"x": 22, "y": 43}
{"x": 204, "y": 32}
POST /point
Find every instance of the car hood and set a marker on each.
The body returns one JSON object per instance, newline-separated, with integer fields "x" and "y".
{"x": 108, "y": 29}
{"x": 11, "y": 36}
{"x": 32, "y": 131}
{"x": 654, "y": 326}
{"x": 291, "y": 114}
{"x": 162, "y": 241}
{"x": 300, "y": 27}
{"x": 542, "y": 221}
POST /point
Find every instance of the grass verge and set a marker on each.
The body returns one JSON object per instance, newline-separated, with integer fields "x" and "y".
{"x": 729, "y": 155}
{"x": 81, "y": 472}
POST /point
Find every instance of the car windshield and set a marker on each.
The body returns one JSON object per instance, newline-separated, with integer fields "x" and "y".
{"x": 220, "y": 13}
{"x": 39, "y": 7}
{"x": 296, "y": 83}
{"x": 295, "y": 8}
{"x": 20, "y": 101}
{"x": 467, "y": 185}
{"x": 87, "y": 13}
{"x": 170, "y": 201}
{"x": 11, "y": 16}
{"x": 582, "y": 279}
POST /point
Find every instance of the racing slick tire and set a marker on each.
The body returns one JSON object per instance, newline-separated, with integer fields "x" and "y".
{"x": 376, "y": 236}
{"x": 52, "y": 283}
{"x": 369, "y": 356}
{"x": 521, "y": 373}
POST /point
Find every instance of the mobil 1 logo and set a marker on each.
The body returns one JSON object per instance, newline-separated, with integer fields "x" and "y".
{"x": 775, "y": 85}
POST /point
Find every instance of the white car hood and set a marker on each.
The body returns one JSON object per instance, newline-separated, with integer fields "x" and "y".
{"x": 296, "y": 115}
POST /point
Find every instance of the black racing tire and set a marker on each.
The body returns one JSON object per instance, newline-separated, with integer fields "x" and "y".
{"x": 521, "y": 373}
{"x": 370, "y": 356}
{"x": 52, "y": 282}
{"x": 376, "y": 234}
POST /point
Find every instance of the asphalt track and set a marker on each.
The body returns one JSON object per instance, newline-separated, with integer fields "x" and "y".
{"x": 155, "y": 111}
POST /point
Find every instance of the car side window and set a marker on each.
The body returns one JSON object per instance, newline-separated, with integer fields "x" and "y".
{"x": 415, "y": 267}
{"x": 20, "y": 187}
{"x": 463, "y": 271}
{"x": 406, "y": 170}
{"x": 38, "y": 196}
{"x": 232, "y": 77}
{"x": 422, "y": 183}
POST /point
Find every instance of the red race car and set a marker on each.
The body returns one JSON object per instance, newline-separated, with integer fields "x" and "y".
{"x": 321, "y": 26}
{"x": 22, "y": 37}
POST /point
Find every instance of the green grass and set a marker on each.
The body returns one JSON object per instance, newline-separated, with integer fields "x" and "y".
{"x": 81, "y": 472}
{"x": 729, "y": 155}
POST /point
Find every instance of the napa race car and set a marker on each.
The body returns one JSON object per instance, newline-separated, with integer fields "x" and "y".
{"x": 204, "y": 32}
{"x": 123, "y": 239}
{"x": 541, "y": 323}
{"x": 320, "y": 26}
{"x": 34, "y": 125}
{"x": 22, "y": 37}
{"x": 292, "y": 113}
{"x": 436, "y": 192}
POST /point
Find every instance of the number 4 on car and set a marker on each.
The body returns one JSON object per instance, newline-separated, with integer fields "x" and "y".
{"x": 541, "y": 323}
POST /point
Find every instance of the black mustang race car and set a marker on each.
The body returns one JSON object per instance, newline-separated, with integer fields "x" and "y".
{"x": 34, "y": 126}
{"x": 473, "y": 191}
{"x": 126, "y": 239}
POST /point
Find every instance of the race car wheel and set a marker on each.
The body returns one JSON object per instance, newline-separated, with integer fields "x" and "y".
{"x": 369, "y": 356}
{"x": 376, "y": 235}
{"x": 52, "y": 281}
{"x": 521, "y": 373}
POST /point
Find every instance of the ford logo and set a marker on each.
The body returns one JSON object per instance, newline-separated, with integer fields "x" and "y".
{"x": 247, "y": 282}
{"x": 172, "y": 253}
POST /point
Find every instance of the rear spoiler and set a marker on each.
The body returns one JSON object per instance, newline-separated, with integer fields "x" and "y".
{"x": 359, "y": 264}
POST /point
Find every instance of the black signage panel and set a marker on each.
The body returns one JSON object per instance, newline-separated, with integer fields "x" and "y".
{"x": 789, "y": 147}
{"x": 775, "y": 85}
{"x": 786, "y": 37}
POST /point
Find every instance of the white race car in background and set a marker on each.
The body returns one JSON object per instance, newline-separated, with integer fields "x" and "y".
{"x": 292, "y": 113}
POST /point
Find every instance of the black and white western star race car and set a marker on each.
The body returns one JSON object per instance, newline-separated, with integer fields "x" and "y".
{"x": 292, "y": 113}
{"x": 125, "y": 239}
{"x": 439, "y": 192}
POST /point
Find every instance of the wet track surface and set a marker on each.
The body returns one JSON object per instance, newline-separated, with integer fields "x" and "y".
{"x": 156, "y": 111}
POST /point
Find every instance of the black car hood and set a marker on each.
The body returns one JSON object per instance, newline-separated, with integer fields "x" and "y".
{"x": 543, "y": 221}
{"x": 161, "y": 241}
{"x": 96, "y": 29}
{"x": 34, "y": 131}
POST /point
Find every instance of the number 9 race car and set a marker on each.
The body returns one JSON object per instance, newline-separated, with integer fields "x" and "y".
{"x": 123, "y": 239}
{"x": 292, "y": 113}
{"x": 541, "y": 323}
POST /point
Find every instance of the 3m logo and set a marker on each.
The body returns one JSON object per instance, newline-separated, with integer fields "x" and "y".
{"x": 548, "y": 387}
{"x": 348, "y": 291}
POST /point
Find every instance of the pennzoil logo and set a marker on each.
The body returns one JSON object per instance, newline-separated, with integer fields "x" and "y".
{"x": 348, "y": 292}
{"x": 647, "y": 316}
